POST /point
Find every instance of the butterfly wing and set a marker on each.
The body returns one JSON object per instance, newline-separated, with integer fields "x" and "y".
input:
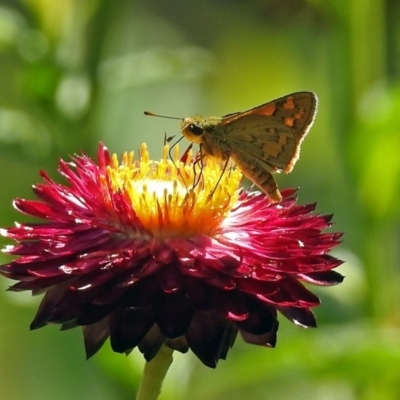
{"x": 267, "y": 138}
{"x": 274, "y": 131}
{"x": 273, "y": 144}
{"x": 261, "y": 146}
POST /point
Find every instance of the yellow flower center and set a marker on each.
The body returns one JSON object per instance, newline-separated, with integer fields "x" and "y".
{"x": 174, "y": 198}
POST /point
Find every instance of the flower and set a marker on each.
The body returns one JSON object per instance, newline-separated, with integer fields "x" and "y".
{"x": 171, "y": 252}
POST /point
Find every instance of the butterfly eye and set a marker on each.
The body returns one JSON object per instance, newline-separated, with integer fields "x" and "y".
{"x": 196, "y": 129}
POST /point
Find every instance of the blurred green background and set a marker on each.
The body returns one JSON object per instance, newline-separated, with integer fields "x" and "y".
{"x": 74, "y": 72}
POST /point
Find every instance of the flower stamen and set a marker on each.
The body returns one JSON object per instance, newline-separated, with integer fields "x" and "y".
{"x": 170, "y": 197}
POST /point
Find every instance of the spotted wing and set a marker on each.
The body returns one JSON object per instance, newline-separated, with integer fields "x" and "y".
{"x": 273, "y": 132}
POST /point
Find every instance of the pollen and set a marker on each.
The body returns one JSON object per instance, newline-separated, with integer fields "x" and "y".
{"x": 178, "y": 197}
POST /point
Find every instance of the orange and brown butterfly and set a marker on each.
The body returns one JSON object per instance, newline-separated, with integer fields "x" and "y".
{"x": 261, "y": 141}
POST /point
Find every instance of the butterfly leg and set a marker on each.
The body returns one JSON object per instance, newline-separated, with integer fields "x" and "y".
{"x": 183, "y": 159}
{"x": 198, "y": 161}
{"x": 220, "y": 177}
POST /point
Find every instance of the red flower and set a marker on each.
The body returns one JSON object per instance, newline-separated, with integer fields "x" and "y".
{"x": 138, "y": 253}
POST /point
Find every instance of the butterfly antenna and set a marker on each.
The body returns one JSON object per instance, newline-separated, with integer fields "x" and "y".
{"x": 168, "y": 139}
{"x": 150, "y": 114}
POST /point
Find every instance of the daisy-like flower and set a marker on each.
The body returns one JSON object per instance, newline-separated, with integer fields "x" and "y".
{"x": 167, "y": 253}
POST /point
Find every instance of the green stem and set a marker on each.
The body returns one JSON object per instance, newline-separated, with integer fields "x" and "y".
{"x": 153, "y": 375}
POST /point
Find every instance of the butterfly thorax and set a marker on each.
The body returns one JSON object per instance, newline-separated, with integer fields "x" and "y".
{"x": 206, "y": 132}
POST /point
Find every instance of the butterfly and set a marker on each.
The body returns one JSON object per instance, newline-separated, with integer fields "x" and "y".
{"x": 261, "y": 141}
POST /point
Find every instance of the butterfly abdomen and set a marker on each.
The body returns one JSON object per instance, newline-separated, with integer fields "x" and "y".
{"x": 256, "y": 172}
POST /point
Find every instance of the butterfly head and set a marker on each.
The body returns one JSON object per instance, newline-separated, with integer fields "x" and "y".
{"x": 193, "y": 128}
